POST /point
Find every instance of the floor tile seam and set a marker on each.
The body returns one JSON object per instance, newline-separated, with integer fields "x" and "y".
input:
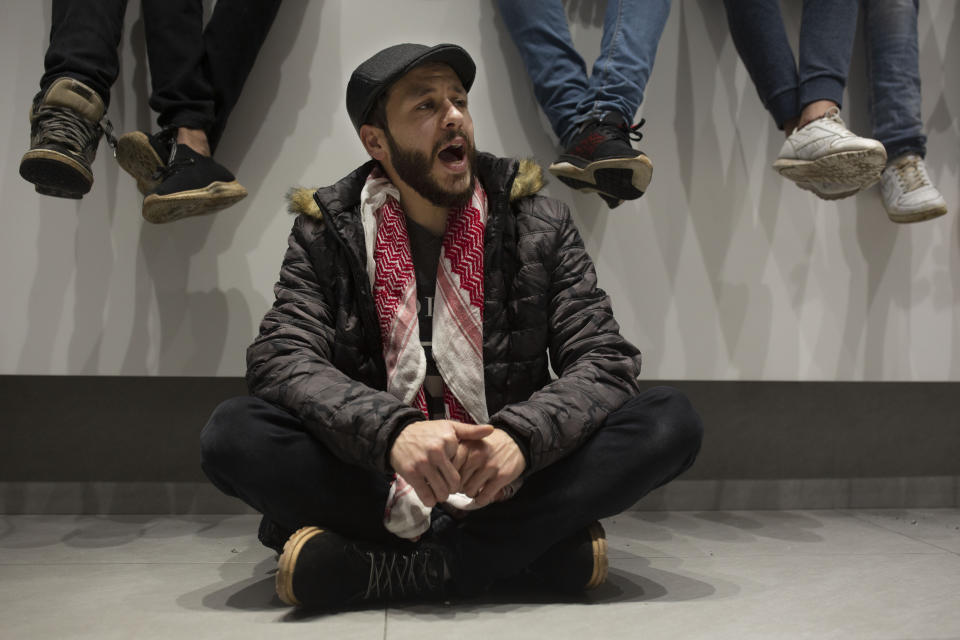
{"x": 938, "y": 552}
{"x": 120, "y": 563}
{"x": 900, "y": 533}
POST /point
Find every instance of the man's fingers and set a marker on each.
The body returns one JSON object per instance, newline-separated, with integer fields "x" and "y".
{"x": 491, "y": 490}
{"x": 451, "y": 479}
{"x": 475, "y": 460}
{"x": 424, "y": 492}
{"x": 477, "y": 481}
{"x": 472, "y": 431}
{"x": 459, "y": 458}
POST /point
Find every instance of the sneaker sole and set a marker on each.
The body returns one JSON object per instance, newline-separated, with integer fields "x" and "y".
{"x": 136, "y": 156}
{"x": 184, "y": 204}
{"x": 621, "y": 178}
{"x": 601, "y": 562}
{"x": 917, "y": 216}
{"x": 861, "y": 168}
{"x": 829, "y": 196}
{"x": 55, "y": 174}
{"x": 288, "y": 562}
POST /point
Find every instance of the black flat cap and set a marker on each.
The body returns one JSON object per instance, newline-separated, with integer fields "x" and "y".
{"x": 377, "y": 73}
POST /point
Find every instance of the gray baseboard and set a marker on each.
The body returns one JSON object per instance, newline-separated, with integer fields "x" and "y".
{"x": 115, "y": 498}
{"x": 806, "y": 493}
{"x": 190, "y": 498}
{"x": 103, "y": 444}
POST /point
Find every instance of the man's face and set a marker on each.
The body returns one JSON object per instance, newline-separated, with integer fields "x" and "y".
{"x": 429, "y": 135}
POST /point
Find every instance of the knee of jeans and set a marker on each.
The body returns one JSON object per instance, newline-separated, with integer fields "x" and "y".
{"x": 219, "y": 435}
{"x": 678, "y": 418}
{"x": 687, "y": 420}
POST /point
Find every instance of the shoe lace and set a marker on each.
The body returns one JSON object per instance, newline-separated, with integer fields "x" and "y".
{"x": 631, "y": 132}
{"x": 911, "y": 175}
{"x": 831, "y": 115}
{"x": 173, "y": 164}
{"x": 407, "y": 574}
{"x": 67, "y": 127}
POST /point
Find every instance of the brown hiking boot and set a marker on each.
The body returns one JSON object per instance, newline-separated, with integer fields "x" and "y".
{"x": 65, "y": 128}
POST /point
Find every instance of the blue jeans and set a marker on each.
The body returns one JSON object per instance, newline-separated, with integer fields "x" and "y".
{"x": 631, "y": 32}
{"x": 261, "y": 454}
{"x": 893, "y": 66}
{"x": 826, "y": 43}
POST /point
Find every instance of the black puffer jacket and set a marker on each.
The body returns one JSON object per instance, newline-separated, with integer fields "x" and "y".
{"x": 319, "y": 355}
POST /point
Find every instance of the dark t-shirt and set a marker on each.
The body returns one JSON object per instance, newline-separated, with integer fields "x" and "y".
{"x": 425, "y": 249}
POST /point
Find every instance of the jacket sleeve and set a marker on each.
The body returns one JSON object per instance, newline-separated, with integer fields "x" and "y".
{"x": 597, "y": 368}
{"x": 290, "y": 365}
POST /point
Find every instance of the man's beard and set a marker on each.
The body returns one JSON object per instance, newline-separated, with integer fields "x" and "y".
{"x": 413, "y": 167}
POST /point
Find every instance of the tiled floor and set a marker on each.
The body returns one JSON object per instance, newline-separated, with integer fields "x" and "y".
{"x": 720, "y": 574}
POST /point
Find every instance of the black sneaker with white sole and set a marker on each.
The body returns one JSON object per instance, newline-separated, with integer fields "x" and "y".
{"x": 65, "y": 129}
{"x": 190, "y": 184}
{"x": 320, "y": 569}
{"x": 601, "y": 158}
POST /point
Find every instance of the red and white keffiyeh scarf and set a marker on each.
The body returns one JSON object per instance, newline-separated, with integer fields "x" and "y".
{"x": 457, "y": 322}
{"x": 458, "y": 305}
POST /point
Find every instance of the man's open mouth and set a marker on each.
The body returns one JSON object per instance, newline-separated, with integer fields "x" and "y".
{"x": 453, "y": 153}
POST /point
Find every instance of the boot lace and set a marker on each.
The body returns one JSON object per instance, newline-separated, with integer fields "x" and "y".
{"x": 400, "y": 573}
{"x": 911, "y": 176}
{"x": 66, "y": 127}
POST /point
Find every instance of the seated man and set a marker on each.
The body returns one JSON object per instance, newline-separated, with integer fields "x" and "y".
{"x": 403, "y": 369}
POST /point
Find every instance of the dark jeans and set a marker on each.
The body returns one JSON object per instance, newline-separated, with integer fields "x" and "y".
{"x": 261, "y": 454}
{"x": 826, "y": 42}
{"x": 894, "y": 69}
{"x": 197, "y": 74}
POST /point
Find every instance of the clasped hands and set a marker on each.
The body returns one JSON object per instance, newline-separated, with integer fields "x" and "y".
{"x": 440, "y": 457}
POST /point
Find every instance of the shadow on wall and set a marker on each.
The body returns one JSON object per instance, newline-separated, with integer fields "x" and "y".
{"x": 713, "y": 189}
{"x": 171, "y": 252}
{"x": 520, "y": 119}
{"x": 193, "y": 325}
{"x": 943, "y": 128}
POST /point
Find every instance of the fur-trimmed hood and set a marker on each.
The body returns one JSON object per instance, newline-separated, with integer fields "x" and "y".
{"x": 528, "y": 181}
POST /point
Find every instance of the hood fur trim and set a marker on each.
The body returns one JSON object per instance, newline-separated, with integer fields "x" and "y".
{"x": 300, "y": 200}
{"x": 529, "y": 181}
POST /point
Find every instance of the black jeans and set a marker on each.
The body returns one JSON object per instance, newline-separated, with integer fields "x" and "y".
{"x": 261, "y": 454}
{"x": 197, "y": 73}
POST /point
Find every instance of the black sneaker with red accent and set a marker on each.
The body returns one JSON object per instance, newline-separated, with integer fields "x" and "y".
{"x": 600, "y": 158}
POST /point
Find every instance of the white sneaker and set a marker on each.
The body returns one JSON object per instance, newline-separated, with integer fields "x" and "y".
{"x": 908, "y": 195}
{"x": 824, "y": 150}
